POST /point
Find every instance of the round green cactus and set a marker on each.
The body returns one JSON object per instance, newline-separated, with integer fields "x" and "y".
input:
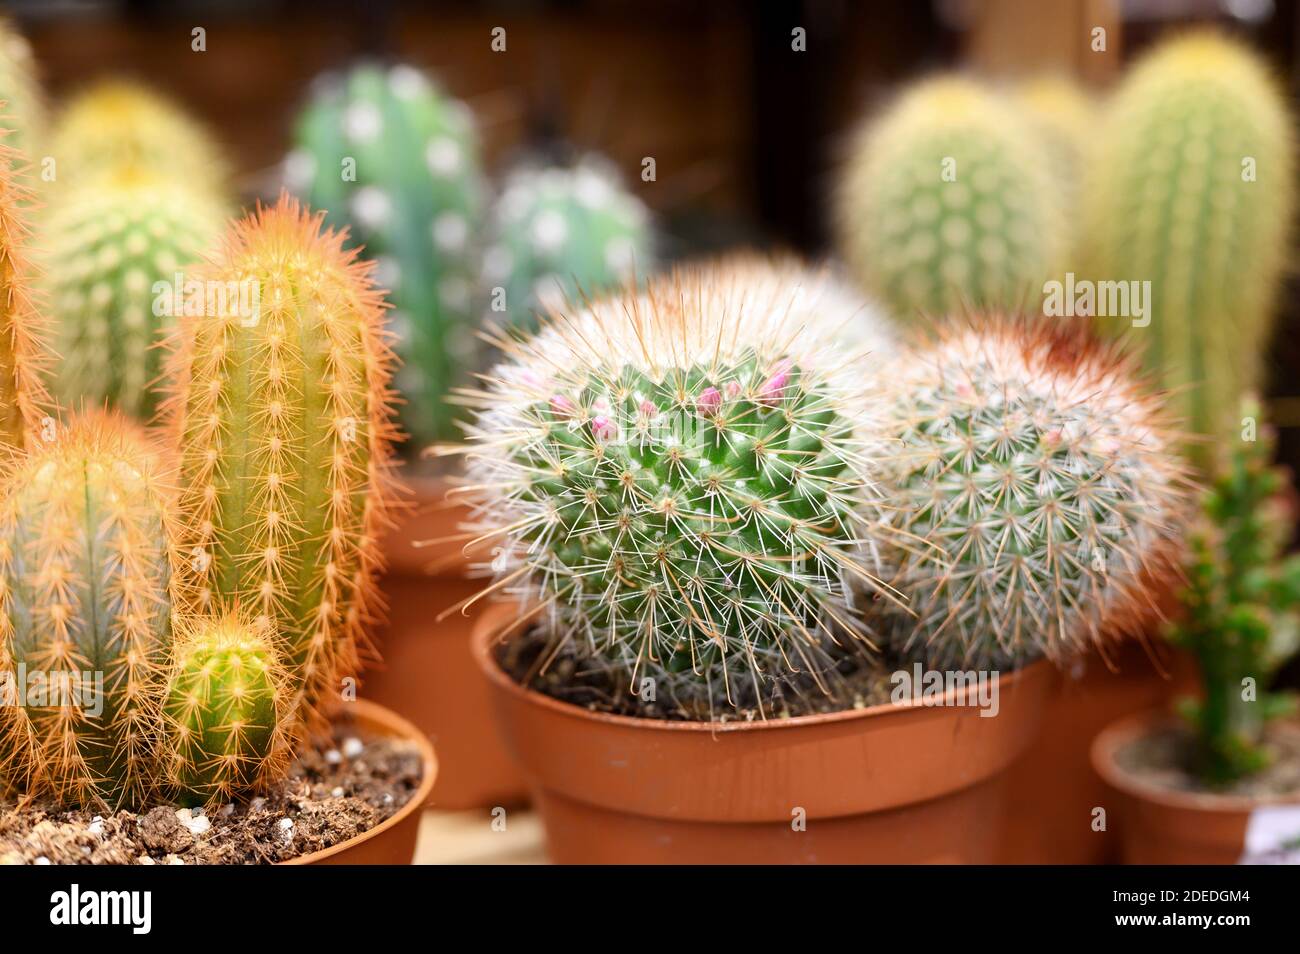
{"x": 1039, "y": 493}
{"x": 560, "y": 233}
{"x": 947, "y": 202}
{"x": 384, "y": 152}
{"x": 683, "y": 479}
{"x": 227, "y": 708}
{"x": 1192, "y": 190}
{"x": 107, "y": 242}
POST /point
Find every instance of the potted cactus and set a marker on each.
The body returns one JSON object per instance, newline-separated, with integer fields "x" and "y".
{"x": 1213, "y": 788}
{"x": 203, "y": 593}
{"x": 686, "y": 491}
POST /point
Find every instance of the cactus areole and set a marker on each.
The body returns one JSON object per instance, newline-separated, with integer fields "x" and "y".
{"x": 681, "y": 479}
{"x": 284, "y": 418}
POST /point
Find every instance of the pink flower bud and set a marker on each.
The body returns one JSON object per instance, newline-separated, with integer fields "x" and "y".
{"x": 709, "y": 402}
{"x": 561, "y": 406}
{"x": 733, "y": 389}
{"x": 648, "y": 409}
{"x": 603, "y": 429}
{"x": 769, "y": 392}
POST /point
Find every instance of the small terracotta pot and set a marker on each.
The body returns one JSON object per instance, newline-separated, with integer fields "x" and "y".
{"x": 886, "y": 784}
{"x": 393, "y": 841}
{"x": 1163, "y": 827}
{"x": 1053, "y": 789}
{"x": 427, "y": 673}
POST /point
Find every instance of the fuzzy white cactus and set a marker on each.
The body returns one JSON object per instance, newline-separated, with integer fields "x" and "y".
{"x": 1037, "y": 490}
{"x": 682, "y": 480}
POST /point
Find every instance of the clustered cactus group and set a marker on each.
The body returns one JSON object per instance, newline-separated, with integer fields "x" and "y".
{"x": 702, "y": 488}
{"x": 397, "y": 160}
{"x": 730, "y": 481}
{"x": 208, "y": 584}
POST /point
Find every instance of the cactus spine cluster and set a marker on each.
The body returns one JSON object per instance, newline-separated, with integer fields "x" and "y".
{"x": 118, "y": 124}
{"x": 560, "y": 233}
{"x": 107, "y": 241}
{"x": 86, "y": 589}
{"x": 24, "y": 358}
{"x": 226, "y": 708}
{"x": 1036, "y": 491}
{"x": 394, "y": 159}
{"x": 1240, "y": 608}
{"x": 947, "y": 202}
{"x": 23, "y": 113}
{"x": 284, "y": 424}
{"x": 1191, "y": 189}
{"x": 682, "y": 479}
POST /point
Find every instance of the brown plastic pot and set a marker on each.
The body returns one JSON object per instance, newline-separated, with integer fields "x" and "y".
{"x": 393, "y": 841}
{"x": 886, "y": 784}
{"x": 1163, "y": 827}
{"x": 1053, "y": 789}
{"x": 427, "y": 673}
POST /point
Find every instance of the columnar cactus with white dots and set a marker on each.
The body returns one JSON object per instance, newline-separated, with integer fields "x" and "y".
{"x": 386, "y": 153}
{"x": 559, "y": 234}
{"x": 106, "y": 242}
{"x": 947, "y": 202}
{"x": 1036, "y": 492}
{"x": 683, "y": 479}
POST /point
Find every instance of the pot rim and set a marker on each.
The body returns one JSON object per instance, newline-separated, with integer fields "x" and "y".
{"x": 483, "y": 637}
{"x": 388, "y": 723}
{"x": 1123, "y": 731}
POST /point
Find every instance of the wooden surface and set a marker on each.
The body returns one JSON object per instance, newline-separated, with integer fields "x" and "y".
{"x": 468, "y": 838}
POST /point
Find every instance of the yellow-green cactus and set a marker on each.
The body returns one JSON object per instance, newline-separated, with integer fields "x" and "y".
{"x": 114, "y": 247}
{"x": 1191, "y": 190}
{"x": 947, "y": 202}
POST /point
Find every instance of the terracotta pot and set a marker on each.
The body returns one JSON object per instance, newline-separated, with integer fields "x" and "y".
{"x": 887, "y": 784}
{"x": 427, "y": 673}
{"x": 1053, "y": 789}
{"x": 393, "y": 841}
{"x": 1164, "y": 827}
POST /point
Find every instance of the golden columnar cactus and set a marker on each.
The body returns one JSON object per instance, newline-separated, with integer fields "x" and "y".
{"x": 85, "y": 600}
{"x": 284, "y": 415}
{"x": 24, "y": 358}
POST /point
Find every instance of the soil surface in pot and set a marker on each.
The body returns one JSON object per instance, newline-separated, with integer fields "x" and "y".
{"x": 1162, "y": 759}
{"x": 530, "y": 659}
{"x": 331, "y": 794}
